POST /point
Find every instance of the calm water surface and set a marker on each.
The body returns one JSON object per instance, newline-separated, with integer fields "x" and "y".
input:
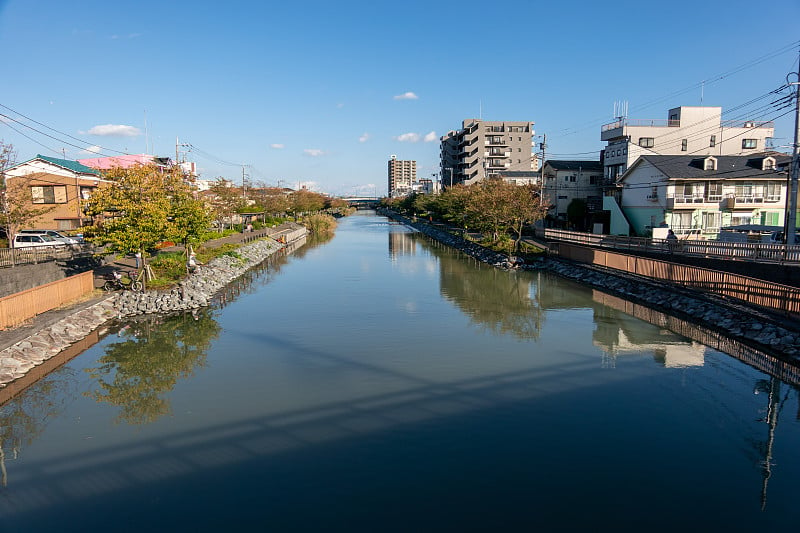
{"x": 380, "y": 381}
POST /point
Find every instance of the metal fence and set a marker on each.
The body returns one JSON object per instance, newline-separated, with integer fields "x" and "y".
{"x": 10, "y": 257}
{"x": 745, "y": 251}
{"x": 773, "y": 296}
{"x": 17, "y": 308}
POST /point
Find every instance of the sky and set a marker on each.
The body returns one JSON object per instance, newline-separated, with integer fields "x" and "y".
{"x": 322, "y": 94}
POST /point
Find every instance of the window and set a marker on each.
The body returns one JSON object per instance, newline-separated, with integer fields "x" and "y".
{"x": 50, "y": 194}
{"x": 713, "y": 142}
{"x": 712, "y": 220}
{"x": 749, "y": 144}
{"x": 681, "y": 220}
{"x": 593, "y": 180}
{"x": 646, "y": 142}
{"x": 710, "y": 164}
{"x": 714, "y": 191}
{"x": 684, "y": 145}
{"x": 773, "y": 191}
{"x": 770, "y": 219}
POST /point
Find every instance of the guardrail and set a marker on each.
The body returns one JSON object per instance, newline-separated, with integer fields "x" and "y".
{"x": 744, "y": 251}
{"x": 10, "y": 257}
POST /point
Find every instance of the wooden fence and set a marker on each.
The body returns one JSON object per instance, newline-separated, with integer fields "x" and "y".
{"x": 17, "y": 308}
{"x": 773, "y": 296}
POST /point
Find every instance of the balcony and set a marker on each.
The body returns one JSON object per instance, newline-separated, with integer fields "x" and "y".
{"x": 684, "y": 202}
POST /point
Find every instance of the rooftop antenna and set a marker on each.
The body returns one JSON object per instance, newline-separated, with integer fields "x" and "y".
{"x": 702, "y": 90}
{"x": 480, "y": 109}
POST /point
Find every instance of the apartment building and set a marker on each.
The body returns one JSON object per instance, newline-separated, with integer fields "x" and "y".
{"x": 482, "y": 149}
{"x": 699, "y": 195}
{"x": 402, "y": 175}
{"x": 687, "y": 131}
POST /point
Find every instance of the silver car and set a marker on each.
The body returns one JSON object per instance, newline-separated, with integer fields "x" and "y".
{"x": 51, "y": 233}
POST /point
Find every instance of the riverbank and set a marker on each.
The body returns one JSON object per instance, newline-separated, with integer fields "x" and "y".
{"x": 47, "y": 337}
{"x": 743, "y": 323}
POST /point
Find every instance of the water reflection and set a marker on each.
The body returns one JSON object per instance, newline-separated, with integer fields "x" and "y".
{"x": 136, "y": 374}
{"x": 502, "y": 302}
{"x": 24, "y": 418}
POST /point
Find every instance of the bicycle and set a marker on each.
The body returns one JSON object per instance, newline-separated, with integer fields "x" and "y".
{"x": 114, "y": 281}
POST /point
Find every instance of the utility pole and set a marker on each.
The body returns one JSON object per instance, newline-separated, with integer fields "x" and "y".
{"x": 543, "y": 147}
{"x": 791, "y": 200}
{"x": 244, "y": 191}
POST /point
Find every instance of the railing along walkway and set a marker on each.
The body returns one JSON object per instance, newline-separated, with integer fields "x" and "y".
{"x": 760, "y": 252}
{"x": 10, "y": 257}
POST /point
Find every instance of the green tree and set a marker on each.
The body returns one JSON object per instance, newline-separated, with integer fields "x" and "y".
{"x": 305, "y": 201}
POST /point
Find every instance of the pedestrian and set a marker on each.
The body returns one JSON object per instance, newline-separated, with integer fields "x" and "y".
{"x": 672, "y": 240}
{"x": 138, "y": 257}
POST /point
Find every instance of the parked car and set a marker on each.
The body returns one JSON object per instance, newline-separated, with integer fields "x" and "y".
{"x": 52, "y": 233}
{"x": 25, "y": 240}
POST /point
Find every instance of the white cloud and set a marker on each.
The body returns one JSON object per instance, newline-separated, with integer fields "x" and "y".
{"x": 406, "y": 96}
{"x": 364, "y": 138}
{"x": 92, "y": 150}
{"x": 314, "y": 152}
{"x": 277, "y": 146}
{"x": 115, "y": 130}
{"x": 431, "y": 137}
{"x": 408, "y": 138}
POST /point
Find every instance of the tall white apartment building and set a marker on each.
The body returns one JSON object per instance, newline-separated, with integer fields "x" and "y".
{"x": 483, "y": 148}
{"x": 402, "y": 175}
{"x": 697, "y": 131}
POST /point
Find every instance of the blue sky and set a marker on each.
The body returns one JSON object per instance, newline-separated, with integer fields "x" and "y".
{"x": 324, "y": 92}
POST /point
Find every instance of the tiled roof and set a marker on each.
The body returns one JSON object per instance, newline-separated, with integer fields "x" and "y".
{"x": 728, "y": 166}
{"x": 68, "y": 164}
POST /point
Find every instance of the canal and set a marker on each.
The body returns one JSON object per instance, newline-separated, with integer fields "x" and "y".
{"x": 380, "y": 381}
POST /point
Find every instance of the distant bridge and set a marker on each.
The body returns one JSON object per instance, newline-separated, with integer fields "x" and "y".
{"x": 365, "y": 202}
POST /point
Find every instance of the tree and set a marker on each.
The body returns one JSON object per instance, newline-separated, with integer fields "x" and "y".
{"x": 144, "y": 206}
{"x": 305, "y": 201}
{"x": 16, "y": 201}
{"x": 225, "y": 201}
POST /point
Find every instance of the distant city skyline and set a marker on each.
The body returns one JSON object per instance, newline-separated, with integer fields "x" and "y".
{"x": 322, "y": 94}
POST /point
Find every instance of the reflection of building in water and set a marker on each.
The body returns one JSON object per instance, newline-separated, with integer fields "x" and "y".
{"x": 672, "y": 351}
{"x": 401, "y": 243}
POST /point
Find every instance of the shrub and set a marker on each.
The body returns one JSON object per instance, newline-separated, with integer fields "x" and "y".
{"x": 320, "y": 223}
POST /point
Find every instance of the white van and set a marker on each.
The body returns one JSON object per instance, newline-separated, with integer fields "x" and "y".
{"x": 25, "y": 240}
{"x": 51, "y": 232}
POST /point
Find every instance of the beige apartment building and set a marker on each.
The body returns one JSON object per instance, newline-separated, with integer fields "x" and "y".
{"x": 402, "y": 175}
{"x": 483, "y": 148}
{"x": 687, "y": 131}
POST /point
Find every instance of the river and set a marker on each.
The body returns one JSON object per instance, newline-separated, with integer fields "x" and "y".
{"x": 382, "y": 382}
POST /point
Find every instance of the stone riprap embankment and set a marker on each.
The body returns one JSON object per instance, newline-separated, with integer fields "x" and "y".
{"x": 193, "y": 292}
{"x": 742, "y": 323}
{"x": 470, "y": 248}
{"x": 197, "y": 289}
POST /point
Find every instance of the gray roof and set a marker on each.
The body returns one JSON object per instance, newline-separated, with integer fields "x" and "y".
{"x": 586, "y": 166}
{"x": 728, "y": 167}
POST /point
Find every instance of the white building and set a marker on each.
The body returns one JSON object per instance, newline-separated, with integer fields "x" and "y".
{"x": 699, "y": 195}
{"x": 690, "y": 131}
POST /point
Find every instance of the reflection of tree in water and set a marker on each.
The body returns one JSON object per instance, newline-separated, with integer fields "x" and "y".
{"x": 135, "y": 373}
{"x": 498, "y": 300}
{"x": 23, "y": 418}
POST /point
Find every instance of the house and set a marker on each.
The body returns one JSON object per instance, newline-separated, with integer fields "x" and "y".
{"x": 566, "y": 181}
{"x": 61, "y": 184}
{"x": 699, "y": 195}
